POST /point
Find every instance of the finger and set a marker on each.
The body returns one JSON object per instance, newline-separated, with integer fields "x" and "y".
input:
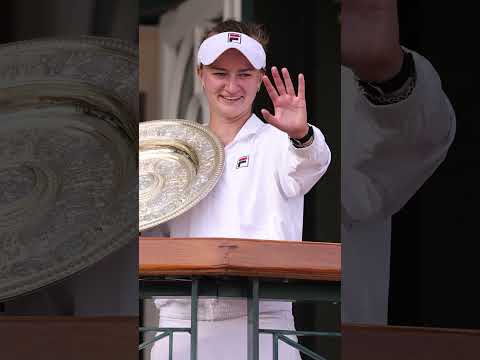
{"x": 270, "y": 89}
{"x": 278, "y": 81}
{"x": 269, "y": 117}
{"x": 301, "y": 86}
{"x": 288, "y": 82}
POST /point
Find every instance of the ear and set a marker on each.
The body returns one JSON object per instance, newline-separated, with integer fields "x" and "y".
{"x": 200, "y": 74}
{"x": 262, "y": 72}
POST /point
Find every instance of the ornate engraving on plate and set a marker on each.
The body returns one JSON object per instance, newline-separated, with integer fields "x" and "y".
{"x": 180, "y": 163}
{"x": 68, "y": 149}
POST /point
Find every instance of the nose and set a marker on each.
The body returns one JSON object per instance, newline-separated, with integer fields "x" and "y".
{"x": 232, "y": 84}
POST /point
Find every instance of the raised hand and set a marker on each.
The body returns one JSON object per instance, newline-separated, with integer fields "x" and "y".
{"x": 290, "y": 109}
{"x": 370, "y": 43}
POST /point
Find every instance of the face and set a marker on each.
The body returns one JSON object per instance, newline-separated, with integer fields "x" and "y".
{"x": 230, "y": 84}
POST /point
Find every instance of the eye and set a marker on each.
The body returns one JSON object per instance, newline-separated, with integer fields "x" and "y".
{"x": 245, "y": 75}
{"x": 220, "y": 74}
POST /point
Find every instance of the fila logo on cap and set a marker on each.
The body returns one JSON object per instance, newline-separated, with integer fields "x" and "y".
{"x": 235, "y": 38}
{"x": 242, "y": 161}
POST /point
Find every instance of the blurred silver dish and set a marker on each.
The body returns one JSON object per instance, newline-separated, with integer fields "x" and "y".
{"x": 180, "y": 162}
{"x": 68, "y": 149}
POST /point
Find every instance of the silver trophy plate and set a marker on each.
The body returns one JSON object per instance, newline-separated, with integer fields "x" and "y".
{"x": 68, "y": 149}
{"x": 180, "y": 162}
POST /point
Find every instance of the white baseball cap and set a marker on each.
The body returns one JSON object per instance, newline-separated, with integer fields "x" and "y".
{"x": 216, "y": 45}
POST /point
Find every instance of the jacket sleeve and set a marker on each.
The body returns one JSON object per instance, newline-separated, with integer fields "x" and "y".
{"x": 299, "y": 169}
{"x": 400, "y": 146}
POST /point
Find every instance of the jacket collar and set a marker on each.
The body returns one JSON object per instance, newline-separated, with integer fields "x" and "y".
{"x": 250, "y": 127}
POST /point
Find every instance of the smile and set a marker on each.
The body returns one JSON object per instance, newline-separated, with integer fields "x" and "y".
{"x": 229, "y": 99}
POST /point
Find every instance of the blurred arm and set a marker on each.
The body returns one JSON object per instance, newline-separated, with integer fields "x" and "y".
{"x": 399, "y": 145}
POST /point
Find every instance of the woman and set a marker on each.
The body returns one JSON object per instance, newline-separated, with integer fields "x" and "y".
{"x": 268, "y": 170}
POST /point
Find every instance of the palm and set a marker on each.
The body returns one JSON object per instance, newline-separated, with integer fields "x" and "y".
{"x": 290, "y": 109}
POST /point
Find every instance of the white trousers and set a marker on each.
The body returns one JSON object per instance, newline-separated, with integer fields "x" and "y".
{"x": 226, "y": 339}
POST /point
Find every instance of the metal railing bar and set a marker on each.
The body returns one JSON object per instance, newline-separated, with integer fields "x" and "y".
{"x": 300, "y": 347}
{"x": 154, "y": 339}
{"x": 300, "y": 333}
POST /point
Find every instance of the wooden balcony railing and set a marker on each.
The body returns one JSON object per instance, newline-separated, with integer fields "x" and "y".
{"x": 240, "y": 257}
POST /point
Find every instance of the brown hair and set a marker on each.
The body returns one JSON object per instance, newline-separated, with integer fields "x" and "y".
{"x": 253, "y": 30}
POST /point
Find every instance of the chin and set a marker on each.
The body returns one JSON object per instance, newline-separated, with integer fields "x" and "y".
{"x": 231, "y": 114}
{"x": 231, "y": 111}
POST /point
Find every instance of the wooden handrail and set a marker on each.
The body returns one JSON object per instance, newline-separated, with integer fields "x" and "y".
{"x": 68, "y": 337}
{"x": 375, "y": 342}
{"x": 240, "y": 257}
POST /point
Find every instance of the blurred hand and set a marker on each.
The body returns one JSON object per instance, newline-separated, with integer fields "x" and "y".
{"x": 370, "y": 44}
{"x": 290, "y": 109}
